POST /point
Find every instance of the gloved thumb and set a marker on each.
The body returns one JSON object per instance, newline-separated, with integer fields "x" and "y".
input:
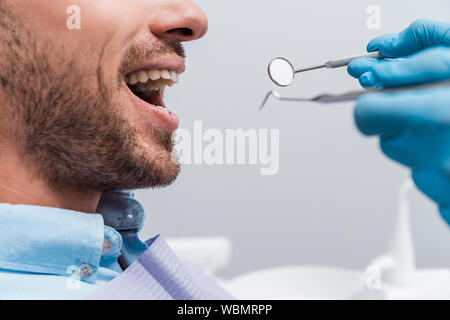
{"x": 421, "y": 34}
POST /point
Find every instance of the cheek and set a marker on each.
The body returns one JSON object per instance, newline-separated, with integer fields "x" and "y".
{"x": 111, "y": 18}
{"x": 140, "y": 122}
{"x": 42, "y": 16}
{"x": 100, "y": 20}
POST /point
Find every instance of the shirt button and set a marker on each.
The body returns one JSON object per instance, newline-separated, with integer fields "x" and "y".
{"x": 106, "y": 247}
{"x": 85, "y": 270}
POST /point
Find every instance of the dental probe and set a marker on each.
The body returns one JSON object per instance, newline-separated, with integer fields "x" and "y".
{"x": 353, "y": 95}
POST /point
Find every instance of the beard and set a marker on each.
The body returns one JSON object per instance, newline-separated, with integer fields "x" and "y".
{"x": 64, "y": 120}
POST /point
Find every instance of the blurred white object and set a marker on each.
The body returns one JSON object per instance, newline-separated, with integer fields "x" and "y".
{"x": 397, "y": 269}
{"x": 390, "y": 276}
{"x": 207, "y": 254}
{"x": 398, "y": 265}
{"x": 301, "y": 282}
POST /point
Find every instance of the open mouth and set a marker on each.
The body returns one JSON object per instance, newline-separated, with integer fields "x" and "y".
{"x": 149, "y": 85}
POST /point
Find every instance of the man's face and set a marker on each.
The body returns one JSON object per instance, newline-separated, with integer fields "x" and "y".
{"x": 84, "y": 106}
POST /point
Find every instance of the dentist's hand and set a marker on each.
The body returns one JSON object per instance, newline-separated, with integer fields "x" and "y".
{"x": 414, "y": 126}
{"x": 420, "y": 35}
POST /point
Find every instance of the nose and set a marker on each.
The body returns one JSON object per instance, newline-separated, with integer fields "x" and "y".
{"x": 180, "y": 20}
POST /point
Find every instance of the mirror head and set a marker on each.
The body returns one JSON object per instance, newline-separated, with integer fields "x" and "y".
{"x": 281, "y": 72}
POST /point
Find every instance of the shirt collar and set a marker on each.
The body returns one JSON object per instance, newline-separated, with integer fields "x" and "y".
{"x": 55, "y": 241}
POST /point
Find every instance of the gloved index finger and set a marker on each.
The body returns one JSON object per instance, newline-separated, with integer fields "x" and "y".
{"x": 358, "y": 67}
{"x": 427, "y": 66}
{"x": 419, "y": 35}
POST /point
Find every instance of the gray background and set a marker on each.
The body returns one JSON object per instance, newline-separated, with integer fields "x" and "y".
{"x": 333, "y": 201}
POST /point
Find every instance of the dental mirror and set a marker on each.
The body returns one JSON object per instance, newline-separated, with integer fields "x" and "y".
{"x": 281, "y": 72}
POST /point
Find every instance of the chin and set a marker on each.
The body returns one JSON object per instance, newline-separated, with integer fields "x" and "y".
{"x": 161, "y": 169}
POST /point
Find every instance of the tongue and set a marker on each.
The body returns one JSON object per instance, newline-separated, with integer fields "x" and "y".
{"x": 152, "y": 97}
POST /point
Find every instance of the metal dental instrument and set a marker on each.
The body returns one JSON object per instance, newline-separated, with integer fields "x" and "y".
{"x": 352, "y": 95}
{"x": 282, "y": 72}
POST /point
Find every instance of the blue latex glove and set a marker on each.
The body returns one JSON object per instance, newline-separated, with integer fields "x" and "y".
{"x": 414, "y": 126}
{"x": 420, "y": 35}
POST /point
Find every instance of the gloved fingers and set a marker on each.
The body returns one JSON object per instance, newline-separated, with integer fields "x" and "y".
{"x": 425, "y": 142}
{"x": 427, "y": 66}
{"x": 436, "y": 185}
{"x": 362, "y": 70}
{"x": 419, "y": 35}
{"x": 388, "y": 114}
{"x": 383, "y": 114}
{"x": 413, "y": 125}
{"x": 358, "y": 67}
{"x": 368, "y": 80}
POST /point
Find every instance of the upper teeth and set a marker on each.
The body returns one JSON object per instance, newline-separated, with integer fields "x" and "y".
{"x": 143, "y": 76}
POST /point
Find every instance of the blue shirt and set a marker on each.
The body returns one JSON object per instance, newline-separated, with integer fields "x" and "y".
{"x": 50, "y": 253}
